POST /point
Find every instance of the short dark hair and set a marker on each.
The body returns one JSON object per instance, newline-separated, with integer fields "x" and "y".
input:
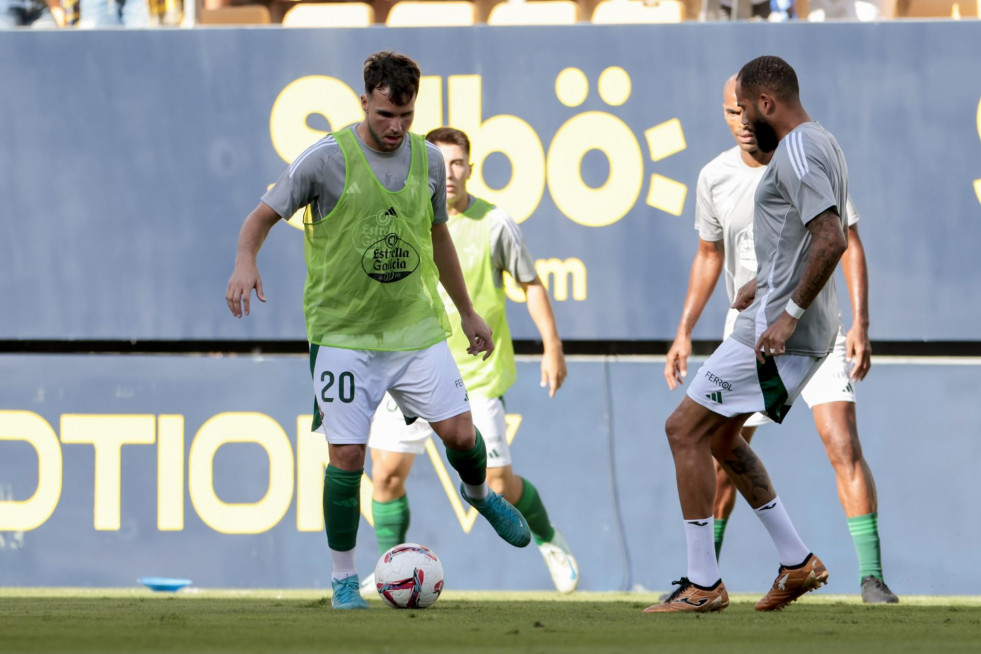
{"x": 392, "y": 71}
{"x": 449, "y": 135}
{"x": 771, "y": 74}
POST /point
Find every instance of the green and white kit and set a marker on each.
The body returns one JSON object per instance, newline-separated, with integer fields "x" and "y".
{"x": 724, "y": 209}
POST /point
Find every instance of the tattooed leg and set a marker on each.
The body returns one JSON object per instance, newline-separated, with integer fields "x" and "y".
{"x": 746, "y": 472}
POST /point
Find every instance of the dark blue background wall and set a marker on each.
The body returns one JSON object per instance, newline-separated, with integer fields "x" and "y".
{"x": 129, "y": 160}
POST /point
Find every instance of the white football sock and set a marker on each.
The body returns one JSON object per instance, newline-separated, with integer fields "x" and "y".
{"x": 342, "y": 564}
{"x": 791, "y": 550}
{"x": 703, "y": 568}
{"x": 476, "y": 492}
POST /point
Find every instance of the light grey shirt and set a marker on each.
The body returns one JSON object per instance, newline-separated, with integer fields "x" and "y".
{"x": 806, "y": 177}
{"x": 724, "y": 207}
{"x": 316, "y": 177}
{"x": 508, "y": 250}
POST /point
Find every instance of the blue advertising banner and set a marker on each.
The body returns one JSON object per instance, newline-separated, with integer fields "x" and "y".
{"x": 205, "y": 468}
{"x": 130, "y": 159}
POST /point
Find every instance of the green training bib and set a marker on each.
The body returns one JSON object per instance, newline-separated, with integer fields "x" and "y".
{"x": 371, "y": 279}
{"x": 471, "y": 236}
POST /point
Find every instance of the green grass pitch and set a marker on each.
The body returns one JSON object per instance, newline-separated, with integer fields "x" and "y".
{"x": 135, "y": 620}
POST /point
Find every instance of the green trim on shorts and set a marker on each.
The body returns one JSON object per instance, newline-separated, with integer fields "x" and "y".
{"x": 318, "y": 420}
{"x": 774, "y": 392}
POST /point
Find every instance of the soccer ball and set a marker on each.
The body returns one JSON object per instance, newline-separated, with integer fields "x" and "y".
{"x": 409, "y": 576}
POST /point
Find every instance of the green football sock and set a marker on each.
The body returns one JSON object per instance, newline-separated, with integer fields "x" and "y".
{"x": 342, "y": 507}
{"x": 865, "y": 534}
{"x": 472, "y": 464}
{"x": 531, "y": 507}
{"x": 720, "y": 532}
{"x": 391, "y": 522}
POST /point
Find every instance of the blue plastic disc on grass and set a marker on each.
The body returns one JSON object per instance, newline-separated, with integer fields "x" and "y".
{"x": 164, "y": 584}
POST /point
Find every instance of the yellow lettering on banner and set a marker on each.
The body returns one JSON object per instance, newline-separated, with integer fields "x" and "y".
{"x": 595, "y": 207}
{"x": 315, "y": 94}
{"x": 665, "y": 139}
{"x": 516, "y": 139}
{"x": 107, "y": 434}
{"x": 170, "y": 473}
{"x": 561, "y": 272}
{"x": 312, "y": 457}
{"x": 667, "y": 195}
{"x": 509, "y": 135}
{"x": 429, "y": 105}
{"x": 977, "y": 182}
{"x": 27, "y": 426}
{"x": 513, "y": 421}
{"x": 241, "y": 517}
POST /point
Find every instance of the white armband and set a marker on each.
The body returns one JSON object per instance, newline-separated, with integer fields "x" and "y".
{"x": 795, "y": 310}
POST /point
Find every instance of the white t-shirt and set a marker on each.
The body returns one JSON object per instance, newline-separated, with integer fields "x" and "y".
{"x": 724, "y": 206}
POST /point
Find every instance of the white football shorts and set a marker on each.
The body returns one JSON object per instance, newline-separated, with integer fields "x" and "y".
{"x": 732, "y": 382}
{"x": 390, "y": 433}
{"x": 350, "y": 384}
{"x": 831, "y": 382}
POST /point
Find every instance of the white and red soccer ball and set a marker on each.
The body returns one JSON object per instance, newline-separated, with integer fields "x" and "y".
{"x": 409, "y": 576}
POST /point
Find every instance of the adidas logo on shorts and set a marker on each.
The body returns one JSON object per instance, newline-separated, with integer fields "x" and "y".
{"x": 715, "y": 396}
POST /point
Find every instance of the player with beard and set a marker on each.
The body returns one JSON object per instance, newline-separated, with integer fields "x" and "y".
{"x": 787, "y": 326}
{"x": 376, "y": 244}
{"x": 724, "y": 220}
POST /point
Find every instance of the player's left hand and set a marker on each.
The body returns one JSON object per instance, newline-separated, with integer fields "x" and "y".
{"x": 478, "y": 333}
{"x": 745, "y": 296}
{"x": 774, "y": 340}
{"x": 858, "y": 351}
{"x": 554, "y": 371}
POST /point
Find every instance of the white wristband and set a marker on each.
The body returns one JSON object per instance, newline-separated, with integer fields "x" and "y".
{"x": 794, "y": 309}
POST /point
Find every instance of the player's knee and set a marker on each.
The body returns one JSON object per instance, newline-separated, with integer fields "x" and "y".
{"x": 347, "y": 457}
{"x": 460, "y": 438}
{"x": 845, "y": 454}
{"x": 388, "y": 484}
{"x": 679, "y": 431}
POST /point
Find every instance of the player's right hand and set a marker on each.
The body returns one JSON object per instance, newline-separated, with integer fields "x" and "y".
{"x": 479, "y": 335}
{"x": 239, "y": 291}
{"x": 676, "y": 367}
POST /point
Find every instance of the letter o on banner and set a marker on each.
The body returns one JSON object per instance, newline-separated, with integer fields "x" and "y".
{"x": 595, "y": 207}
{"x": 302, "y": 98}
{"x": 241, "y": 518}
{"x": 33, "y": 512}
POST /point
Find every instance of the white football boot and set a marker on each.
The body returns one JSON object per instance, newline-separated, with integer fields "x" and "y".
{"x": 561, "y": 564}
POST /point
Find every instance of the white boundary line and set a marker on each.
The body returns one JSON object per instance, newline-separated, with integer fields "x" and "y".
{"x": 660, "y": 358}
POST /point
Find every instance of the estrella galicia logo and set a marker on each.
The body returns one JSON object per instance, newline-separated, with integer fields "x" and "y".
{"x": 389, "y": 259}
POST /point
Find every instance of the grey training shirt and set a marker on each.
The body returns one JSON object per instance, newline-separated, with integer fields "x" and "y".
{"x": 806, "y": 177}
{"x": 724, "y": 208}
{"x": 316, "y": 177}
